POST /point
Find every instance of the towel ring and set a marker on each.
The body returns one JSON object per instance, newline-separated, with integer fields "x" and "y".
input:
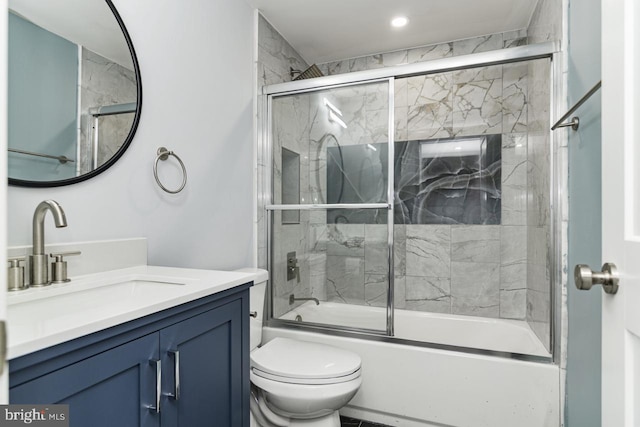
{"x": 163, "y": 154}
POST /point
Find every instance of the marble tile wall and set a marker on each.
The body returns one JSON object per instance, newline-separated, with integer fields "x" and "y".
{"x": 275, "y": 57}
{"x": 441, "y": 264}
{"x": 104, "y": 82}
{"x": 481, "y": 270}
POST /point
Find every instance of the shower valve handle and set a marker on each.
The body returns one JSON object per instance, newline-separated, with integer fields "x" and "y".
{"x": 293, "y": 270}
{"x": 585, "y": 278}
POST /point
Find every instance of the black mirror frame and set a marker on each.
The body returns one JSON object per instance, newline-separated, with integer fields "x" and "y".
{"x": 127, "y": 142}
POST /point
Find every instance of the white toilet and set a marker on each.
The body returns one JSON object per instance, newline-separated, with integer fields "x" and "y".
{"x": 297, "y": 383}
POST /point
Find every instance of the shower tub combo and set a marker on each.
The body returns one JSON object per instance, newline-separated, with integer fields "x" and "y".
{"x": 410, "y": 218}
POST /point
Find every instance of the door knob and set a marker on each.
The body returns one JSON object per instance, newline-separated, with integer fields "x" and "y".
{"x": 585, "y": 278}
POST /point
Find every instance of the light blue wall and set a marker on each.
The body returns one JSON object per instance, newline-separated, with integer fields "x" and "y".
{"x": 42, "y": 97}
{"x": 196, "y": 63}
{"x": 583, "y": 364}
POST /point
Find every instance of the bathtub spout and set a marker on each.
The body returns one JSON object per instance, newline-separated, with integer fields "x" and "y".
{"x": 292, "y": 299}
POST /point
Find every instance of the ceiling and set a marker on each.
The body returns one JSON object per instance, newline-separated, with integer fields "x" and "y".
{"x": 87, "y": 23}
{"x": 330, "y": 30}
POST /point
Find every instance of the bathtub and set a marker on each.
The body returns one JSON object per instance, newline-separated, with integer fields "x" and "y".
{"x": 498, "y": 335}
{"x": 415, "y": 386}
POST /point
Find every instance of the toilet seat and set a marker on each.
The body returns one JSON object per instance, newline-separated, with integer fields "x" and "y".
{"x": 301, "y": 362}
{"x": 306, "y": 381}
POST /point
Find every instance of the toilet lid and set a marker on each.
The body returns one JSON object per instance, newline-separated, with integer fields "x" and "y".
{"x": 293, "y": 359}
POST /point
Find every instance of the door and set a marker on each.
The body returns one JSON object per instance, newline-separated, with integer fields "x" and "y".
{"x": 621, "y": 211}
{"x": 113, "y": 388}
{"x": 203, "y": 367}
{"x": 4, "y": 374}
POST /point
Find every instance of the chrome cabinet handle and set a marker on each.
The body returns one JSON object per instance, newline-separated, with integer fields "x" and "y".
{"x": 585, "y": 278}
{"x": 158, "y": 366}
{"x": 176, "y": 373}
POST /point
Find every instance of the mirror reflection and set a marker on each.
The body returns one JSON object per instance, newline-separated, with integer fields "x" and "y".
{"x": 72, "y": 90}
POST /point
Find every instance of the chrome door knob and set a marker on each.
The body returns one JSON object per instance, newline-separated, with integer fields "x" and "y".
{"x": 585, "y": 278}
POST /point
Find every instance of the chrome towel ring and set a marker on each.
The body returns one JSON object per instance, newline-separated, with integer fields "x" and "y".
{"x": 163, "y": 154}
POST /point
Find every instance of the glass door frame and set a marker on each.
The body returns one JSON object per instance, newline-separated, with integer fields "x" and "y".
{"x": 547, "y": 50}
{"x": 271, "y": 207}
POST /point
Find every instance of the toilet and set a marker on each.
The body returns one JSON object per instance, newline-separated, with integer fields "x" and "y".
{"x": 293, "y": 382}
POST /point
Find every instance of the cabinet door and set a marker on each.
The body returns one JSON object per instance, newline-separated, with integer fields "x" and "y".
{"x": 210, "y": 370}
{"x": 114, "y": 388}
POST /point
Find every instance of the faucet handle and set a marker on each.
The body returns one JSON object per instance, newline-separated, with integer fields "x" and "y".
{"x": 59, "y": 266}
{"x": 16, "y": 260}
{"x": 58, "y": 255}
{"x": 15, "y": 273}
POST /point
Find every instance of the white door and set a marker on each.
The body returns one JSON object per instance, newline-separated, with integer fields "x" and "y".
{"x": 4, "y": 391}
{"x": 621, "y": 211}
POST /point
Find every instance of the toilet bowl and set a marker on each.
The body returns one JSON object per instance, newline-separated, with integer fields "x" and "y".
{"x": 297, "y": 383}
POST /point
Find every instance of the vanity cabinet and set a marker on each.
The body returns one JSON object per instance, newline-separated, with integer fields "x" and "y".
{"x": 199, "y": 352}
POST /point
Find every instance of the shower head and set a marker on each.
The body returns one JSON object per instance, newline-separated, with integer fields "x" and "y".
{"x": 309, "y": 73}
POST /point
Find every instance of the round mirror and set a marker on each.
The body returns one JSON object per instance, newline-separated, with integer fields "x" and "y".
{"x": 74, "y": 95}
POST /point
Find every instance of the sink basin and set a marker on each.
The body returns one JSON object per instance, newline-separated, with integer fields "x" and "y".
{"x": 91, "y": 299}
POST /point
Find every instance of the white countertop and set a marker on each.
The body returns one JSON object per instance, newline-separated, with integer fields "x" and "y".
{"x": 43, "y": 317}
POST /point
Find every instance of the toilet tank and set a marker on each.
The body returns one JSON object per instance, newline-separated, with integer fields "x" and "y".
{"x": 257, "y": 294}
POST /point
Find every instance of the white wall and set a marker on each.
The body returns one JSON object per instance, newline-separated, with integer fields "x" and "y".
{"x": 196, "y": 63}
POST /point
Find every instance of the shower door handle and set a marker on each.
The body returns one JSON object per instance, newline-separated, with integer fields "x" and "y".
{"x": 585, "y": 278}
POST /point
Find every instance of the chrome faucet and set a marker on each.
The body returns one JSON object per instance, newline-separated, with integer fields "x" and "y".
{"x": 38, "y": 261}
{"x": 292, "y": 299}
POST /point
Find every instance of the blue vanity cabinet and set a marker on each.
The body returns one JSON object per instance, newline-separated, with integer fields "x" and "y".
{"x": 200, "y": 356}
{"x": 112, "y": 388}
{"x": 108, "y": 378}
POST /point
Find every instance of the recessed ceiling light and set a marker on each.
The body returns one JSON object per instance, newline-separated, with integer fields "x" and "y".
{"x": 399, "y": 21}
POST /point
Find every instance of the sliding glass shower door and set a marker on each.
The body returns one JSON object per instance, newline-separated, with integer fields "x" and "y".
{"x": 331, "y": 212}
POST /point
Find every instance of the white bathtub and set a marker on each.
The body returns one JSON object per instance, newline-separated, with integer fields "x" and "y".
{"x": 502, "y": 335}
{"x": 412, "y": 386}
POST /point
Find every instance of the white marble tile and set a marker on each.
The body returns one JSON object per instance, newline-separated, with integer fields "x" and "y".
{"x": 400, "y": 92}
{"x": 475, "y": 289}
{"x": 514, "y": 97}
{"x": 104, "y": 83}
{"x": 477, "y": 74}
{"x": 387, "y": 59}
{"x": 514, "y": 159}
{"x": 538, "y": 96}
{"x": 513, "y": 304}
{"x": 376, "y": 290}
{"x": 514, "y": 38}
{"x": 399, "y": 292}
{"x": 276, "y": 54}
{"x": 318, "y": 275}
{"x": 400, "y": 249}
{"x": 538, "y": 179}
{"x": 345, "y": 279}
{"x": 430, "y": 112}
{"x": 346, "y": 240}
{"x": 546, "y": 21}
{"x": 428, "y": 53}
{"x": 377, "y": 126}
{"x": 376, "y": 251}
{"x": 513, "y": 276}
{"x": 428, "y": 250}
{"x": 475, "y": 243}
{"x": 432, "y": 294}
{"x": 477, "y": 44}
{"x": 538, "y": 306}
{"x": 401, "y": 123}
{"x": 514, "y": 205}
{"x": 477, "y": 107}
{"x": 513, "y": 244}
